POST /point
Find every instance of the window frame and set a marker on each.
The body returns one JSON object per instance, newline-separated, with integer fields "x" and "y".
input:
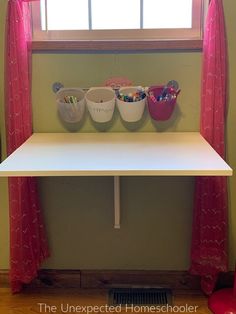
{"x": 120, "y": 40}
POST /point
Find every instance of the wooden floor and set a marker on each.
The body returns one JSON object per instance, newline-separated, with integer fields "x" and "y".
{"x": 28, "y": 302}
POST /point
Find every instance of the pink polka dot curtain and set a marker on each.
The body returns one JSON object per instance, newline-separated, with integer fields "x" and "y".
{"x": 209, "y": 254}
{"x": 234, "y": 293}
{"x": 28, "y": 245}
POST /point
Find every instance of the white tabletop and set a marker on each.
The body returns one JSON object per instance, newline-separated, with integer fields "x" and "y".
{"x": 115, "y": 154}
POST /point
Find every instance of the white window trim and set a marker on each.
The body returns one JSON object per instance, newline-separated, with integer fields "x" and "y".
{"x": 142, "y": 39}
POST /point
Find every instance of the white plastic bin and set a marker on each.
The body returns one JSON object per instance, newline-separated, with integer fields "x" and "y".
{"x": 71, "y": 112}
{"x": 101, "y": 103}
{"x": 130, "y": 111}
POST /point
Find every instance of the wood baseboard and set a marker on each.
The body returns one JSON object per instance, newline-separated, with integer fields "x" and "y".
{"x": 103, "y": 279}
{"x": 4, "y": 278}
{"x": 139, "y": 278}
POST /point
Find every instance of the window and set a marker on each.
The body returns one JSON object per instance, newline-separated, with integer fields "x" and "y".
{"x": 112, "y": 24}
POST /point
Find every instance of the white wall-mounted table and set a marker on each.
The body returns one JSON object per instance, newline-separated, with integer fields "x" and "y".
{"x": 115, "y": 154}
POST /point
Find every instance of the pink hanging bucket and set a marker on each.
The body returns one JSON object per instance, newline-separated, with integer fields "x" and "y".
{"x": 160, "y": 110}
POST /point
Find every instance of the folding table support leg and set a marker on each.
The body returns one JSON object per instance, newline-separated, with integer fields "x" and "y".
{"x": 117, "y": 201}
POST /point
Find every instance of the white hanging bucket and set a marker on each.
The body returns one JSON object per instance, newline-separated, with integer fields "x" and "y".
{"x": 130, "y": 111}
{"x": 101, "y": 103}
{"x": 71, "y": 112}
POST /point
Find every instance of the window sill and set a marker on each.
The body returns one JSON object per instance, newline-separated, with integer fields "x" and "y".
{"x": 109, "y": 45}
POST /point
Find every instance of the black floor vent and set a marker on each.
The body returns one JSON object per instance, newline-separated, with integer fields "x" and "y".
{"x": 140, "y": 296}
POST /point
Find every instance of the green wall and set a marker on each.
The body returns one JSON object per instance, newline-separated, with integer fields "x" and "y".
{"x": 4, "y": 221}
{"x": 156, "y": 212}
{"x": 230, "y": 9}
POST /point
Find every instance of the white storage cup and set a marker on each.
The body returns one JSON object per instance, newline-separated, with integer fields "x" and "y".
{"x": 101, "y": 103}
{"x": 71, "y": 112}
{"x": 130, "y": 111}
